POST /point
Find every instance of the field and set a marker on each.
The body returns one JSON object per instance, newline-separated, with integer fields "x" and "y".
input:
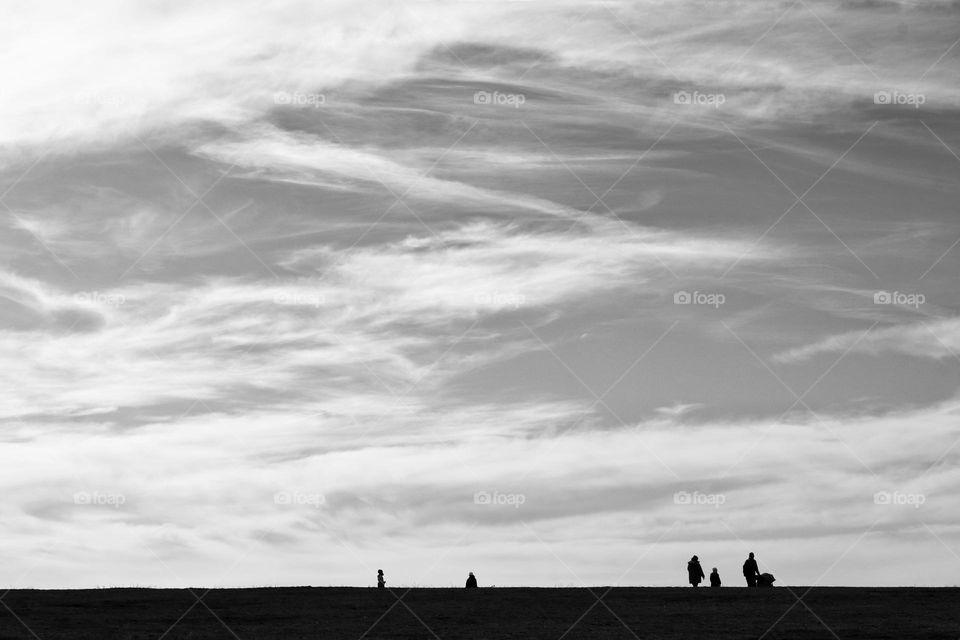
{"x": 482, "y": 614}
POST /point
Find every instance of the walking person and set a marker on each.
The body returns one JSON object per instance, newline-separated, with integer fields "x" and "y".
{"x": 695, "y": 571}
{"x": 381, "y": 583}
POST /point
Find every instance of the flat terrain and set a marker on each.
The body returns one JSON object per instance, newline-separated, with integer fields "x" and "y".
{"x": 483, "y": 614}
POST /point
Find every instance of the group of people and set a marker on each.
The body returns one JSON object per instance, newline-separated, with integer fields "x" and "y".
{"x": 382, "y": 583}
{"x": 750, "y": 571}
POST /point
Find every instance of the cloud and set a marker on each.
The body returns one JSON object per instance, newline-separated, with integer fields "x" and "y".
{"x": 935, "y": 339}
{"x": 391, "y": 489}
{"x": 207, "y": 64}
{"x": 374, "y": 311}
{"x": 297, "y": 159}
{"x": 678, "y": 409}
{"x": 220, "y": 62}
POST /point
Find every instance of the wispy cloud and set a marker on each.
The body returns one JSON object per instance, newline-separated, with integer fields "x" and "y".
{"x": 936, "y": 339}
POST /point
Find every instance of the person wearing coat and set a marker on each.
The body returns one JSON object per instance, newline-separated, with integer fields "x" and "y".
{"x": 471, "y": 581}
{"x": 751, "y": 571}
{"x": 695, "y": 571}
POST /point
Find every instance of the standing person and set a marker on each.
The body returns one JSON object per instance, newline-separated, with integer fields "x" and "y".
{"x": 751, "y": 571}
{"x": 381, "y": 583}
{"x": 714, "y": 578}
{"x": 695, "y": 571}
{"x": 471, "y": 581}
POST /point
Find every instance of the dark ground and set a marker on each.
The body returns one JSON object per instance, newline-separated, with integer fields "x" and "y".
{"x": 483, "y": 614}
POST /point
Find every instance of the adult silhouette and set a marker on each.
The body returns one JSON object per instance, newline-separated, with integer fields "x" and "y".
{"x": 714, "y": 578}
{"x": 471, "y": 581}
{"x": 695, "y": 571}
{"x": 751, "y": 571}
{"x": 381, "y": 583}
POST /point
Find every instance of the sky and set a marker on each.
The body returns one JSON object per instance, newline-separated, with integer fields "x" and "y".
{"x": 560, "y": 293}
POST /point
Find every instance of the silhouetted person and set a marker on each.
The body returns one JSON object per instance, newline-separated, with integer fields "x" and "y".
{"x": 751, "y": 571}
{"x": 695, "y": 571}
{"x": 381, "y": 583}
{"x": 471, "y": 581}
{"x": 765, "y": 580}
{"x": 714, "y": 578}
